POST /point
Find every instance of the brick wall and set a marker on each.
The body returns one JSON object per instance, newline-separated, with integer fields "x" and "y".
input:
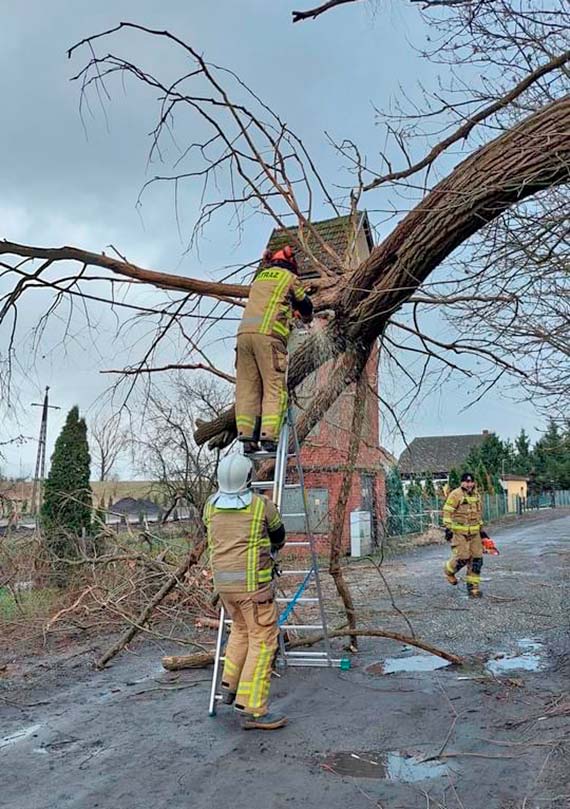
{"x": 324, "y": 453}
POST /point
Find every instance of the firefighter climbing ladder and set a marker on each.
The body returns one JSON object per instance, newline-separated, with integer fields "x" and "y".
{"x": 310, "y": 575}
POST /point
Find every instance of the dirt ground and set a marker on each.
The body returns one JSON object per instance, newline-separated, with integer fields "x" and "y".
{"x": 496, "y": 732}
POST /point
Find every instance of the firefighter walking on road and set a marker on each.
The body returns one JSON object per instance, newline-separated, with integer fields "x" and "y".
{"x": 261, "y": 363}
{"x": 245, "y": 532}
{"x": 463, "y": 521}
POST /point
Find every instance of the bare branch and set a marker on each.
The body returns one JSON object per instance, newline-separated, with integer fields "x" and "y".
{"x": 463, "y": 131}
{"x": 199, "y": 366}
{"x": 313, "y": 13}
{"x": 126, "y": 269}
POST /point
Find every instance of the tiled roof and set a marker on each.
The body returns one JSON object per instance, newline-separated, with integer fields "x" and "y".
{"x": 131, "y": 505}
{"x": 437, "y": 453}
{"x": 337, "y": 232}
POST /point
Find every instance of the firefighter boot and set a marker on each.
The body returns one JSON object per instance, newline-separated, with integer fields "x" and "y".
{"x": 249, "y": 447}
{"x": 449, "y": 574}
{"x": 228, "y": 696}
{"x": 473, "y": 577}
{"x": 269, "y": 721}
{"x": 269, "y": 446}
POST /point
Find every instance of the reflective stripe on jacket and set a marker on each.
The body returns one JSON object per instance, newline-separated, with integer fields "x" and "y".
{"x": 462, "y": 512}
{"x": 272, "y": 297}
{"x": 239, "y": 544}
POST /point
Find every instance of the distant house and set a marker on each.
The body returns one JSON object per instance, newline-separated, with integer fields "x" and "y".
{"x": 516, "y": 487}
{"x": 131, "y": 509}
{"x": 14, "y": 498}
{"x": 438, "y": 454}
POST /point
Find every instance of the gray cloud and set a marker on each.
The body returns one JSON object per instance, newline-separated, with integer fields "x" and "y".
{"x": 68, "y": 181}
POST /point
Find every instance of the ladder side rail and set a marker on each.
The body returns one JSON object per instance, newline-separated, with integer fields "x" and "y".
{"x": 217, "y": 656}
{"x": 280, "y": 472}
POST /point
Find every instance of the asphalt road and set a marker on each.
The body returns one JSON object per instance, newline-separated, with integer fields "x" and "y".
{"x": 496, "y": 731}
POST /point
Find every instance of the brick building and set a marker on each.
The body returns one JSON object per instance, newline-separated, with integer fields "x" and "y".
{"x": 325, "y": 451}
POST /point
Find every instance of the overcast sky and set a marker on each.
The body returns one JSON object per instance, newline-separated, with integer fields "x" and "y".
{"x": 68, "y": 181}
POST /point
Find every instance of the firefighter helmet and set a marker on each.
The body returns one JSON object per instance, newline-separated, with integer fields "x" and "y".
{"x": 234, "y": 473}
{"x": 286, "y": 255}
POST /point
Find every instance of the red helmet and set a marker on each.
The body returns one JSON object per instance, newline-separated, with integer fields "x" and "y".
{"x": 285, "y": 254}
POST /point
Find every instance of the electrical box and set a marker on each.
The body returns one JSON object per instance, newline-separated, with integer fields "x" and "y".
{"x": 360, "y": 533}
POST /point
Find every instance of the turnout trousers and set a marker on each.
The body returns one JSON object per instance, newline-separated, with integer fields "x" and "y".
{"x": 466, "y": 550}
{"x": 251, "y": 647}
{"x": 261, "y": 388}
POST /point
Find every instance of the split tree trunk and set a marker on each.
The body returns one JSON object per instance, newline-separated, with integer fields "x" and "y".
{"x": 532, "y": 156}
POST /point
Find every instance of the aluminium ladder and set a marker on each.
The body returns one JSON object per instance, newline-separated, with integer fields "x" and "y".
{"x": 309, "y": 576}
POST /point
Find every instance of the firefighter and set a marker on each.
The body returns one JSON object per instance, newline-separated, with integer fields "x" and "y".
{"x": 261, "y": 363}
{"x": 245, "y": 533}
{"x": 462, "y": 518}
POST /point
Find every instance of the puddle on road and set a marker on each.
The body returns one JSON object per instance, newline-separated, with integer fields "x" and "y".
{"x": 391, "y": 766}
{"x": 529, "y": 659}
{"x": 395, "y": 665}
{"x": 19, "y": 735}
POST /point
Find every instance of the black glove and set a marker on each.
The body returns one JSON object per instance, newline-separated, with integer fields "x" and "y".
{"x": 483, "y": 535}
{"x": 275, "y": 550}
{"x": 448, "y": 534}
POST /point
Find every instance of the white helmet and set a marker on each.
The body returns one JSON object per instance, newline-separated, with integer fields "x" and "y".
{"x": 234, "y": 473}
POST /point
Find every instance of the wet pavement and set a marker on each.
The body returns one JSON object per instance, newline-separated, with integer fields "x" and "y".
{"x": 413, "y": 662}
{"x": 532, "y": 657}
{"x": 392, "y": 766}
{"x": 395, "y": 731}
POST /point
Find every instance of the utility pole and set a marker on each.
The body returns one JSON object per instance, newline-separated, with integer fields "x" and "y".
{"x": 39, "y": 477}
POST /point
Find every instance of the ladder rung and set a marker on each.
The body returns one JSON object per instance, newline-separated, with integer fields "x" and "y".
{"x": 301, "y": 626}
{"x": 306, "y": 654}
{"x": 296, "y": 543}
{"x": 266, "y": 484}
{"x": 310, "y": 661}
{"x": 294, "y": 514}
{"x": 264, "y": 456}
{"x": 305, "y": 599}
{"x": 301, "y": 572}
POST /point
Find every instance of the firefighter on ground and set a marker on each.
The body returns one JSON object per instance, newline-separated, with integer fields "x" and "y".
{"x": 463, "y": 521}
{"x": 261, "y": 363}
{"x": 245, "y": 532}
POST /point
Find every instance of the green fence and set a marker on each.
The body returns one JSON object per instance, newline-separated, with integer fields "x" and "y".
{"x": 412, "y": 517}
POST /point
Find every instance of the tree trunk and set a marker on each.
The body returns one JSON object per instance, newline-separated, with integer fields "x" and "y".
{"x": 335, "y": 568}
{"x": 528, "y": 158}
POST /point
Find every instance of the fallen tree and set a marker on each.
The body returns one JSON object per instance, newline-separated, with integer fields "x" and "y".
{"x": 513, "y": 131}
{"x": 531, "y": 157}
